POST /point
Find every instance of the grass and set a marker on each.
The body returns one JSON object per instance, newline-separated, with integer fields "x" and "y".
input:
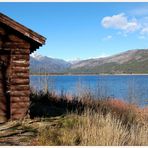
{"x": 58, "y": 120}
{"x": 86, "y": 121}
{"x": 93, "y": 129}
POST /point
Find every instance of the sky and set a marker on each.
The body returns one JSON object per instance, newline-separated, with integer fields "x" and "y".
{"x": 77, "y": 31}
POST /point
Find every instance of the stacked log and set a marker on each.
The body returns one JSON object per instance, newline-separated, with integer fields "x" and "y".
{"x": 19, "y": 80}
{"x": 18, "y": 76}
{"x": 4, "y": 98}
{"x": 3, "y": 109}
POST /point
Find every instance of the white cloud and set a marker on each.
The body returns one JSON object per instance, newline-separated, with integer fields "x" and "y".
{"x": 144, "y": 31}
{"x": 115, "y": 21}
{"x": 125, "y": 25}
{"x": 107, "y": 37}
{"x": 120, "y": 22}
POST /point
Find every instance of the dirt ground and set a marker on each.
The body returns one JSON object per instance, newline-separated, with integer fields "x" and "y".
{"x": 24, "y": 132}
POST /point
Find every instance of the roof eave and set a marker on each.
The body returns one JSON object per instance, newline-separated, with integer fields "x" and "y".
{"x": 22, "y": 29}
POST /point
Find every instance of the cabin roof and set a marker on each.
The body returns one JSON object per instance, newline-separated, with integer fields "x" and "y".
{"x": 31, "y": 35}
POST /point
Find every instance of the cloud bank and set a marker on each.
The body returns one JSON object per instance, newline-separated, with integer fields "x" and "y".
{"x": 121, "y": 22}
{"x": 124, "y": 24}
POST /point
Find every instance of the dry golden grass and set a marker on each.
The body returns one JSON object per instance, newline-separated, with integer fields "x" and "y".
{"x": 100, "y": 130}
{"x": 107, "y": 122}
{"x": 93, "y": 129}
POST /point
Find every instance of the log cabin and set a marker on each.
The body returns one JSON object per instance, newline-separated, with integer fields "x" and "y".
{"x": 16, "y": 44}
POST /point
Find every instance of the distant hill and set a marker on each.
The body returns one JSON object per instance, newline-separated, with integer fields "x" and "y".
{"x": 132, "y": 61}
{"x": 43, "y": 64}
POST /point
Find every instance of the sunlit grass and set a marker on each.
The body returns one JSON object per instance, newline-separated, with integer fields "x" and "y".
{"x": 87, "y": 121}
{"x": 93, "y": 129}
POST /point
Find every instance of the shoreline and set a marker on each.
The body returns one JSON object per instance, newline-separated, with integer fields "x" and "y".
{"x": 88, "y": 74}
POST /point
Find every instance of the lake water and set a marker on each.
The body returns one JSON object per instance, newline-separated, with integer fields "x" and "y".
{"x": 131, "y": 88}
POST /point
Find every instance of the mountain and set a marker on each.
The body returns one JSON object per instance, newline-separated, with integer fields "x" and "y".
{"x": 44, "y": 64}
{"x": 132, "y": 61}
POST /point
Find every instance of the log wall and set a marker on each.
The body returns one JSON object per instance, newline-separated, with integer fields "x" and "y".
{"x": 19, "y": 79}
{"x": 18, "y": 76}
{"x": 19, "y": 89}
{"x": 16, "y": 43}
{"x": 3, "y": 109}
{"x": 4, "y": 75}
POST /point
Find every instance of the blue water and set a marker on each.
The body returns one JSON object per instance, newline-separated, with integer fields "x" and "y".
{"x": 131, "y": 88}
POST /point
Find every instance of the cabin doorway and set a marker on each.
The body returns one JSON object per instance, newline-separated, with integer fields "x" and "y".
{"x": 4, "y": 86}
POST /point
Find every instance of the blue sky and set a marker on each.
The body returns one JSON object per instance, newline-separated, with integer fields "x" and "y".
{"x": 84, "y": 30}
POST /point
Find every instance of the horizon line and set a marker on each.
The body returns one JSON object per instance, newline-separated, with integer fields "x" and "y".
{"x": 89, "y": 58}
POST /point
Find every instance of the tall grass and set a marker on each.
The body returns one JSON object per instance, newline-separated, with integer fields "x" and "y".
{"x": 91, "y": 122}
{"x": 87, "y": 121}
{"x": 94, "y": 129}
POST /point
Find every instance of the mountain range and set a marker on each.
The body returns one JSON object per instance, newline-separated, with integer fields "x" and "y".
{"x": 44, "y": 64}
{"x": 131, "y": 61}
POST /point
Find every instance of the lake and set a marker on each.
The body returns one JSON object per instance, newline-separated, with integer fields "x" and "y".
{"x": 130, "y": 88}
